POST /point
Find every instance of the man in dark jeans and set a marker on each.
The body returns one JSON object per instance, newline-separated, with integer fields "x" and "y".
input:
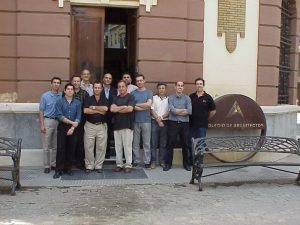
{"x": 68, "y": 111}
{"x": 81, "y": 95}
{"x": 180, "y": 108}
{"x": 159, "y": 129}
{"x": 109, "y": 92}
{"x": 204, "y": 108}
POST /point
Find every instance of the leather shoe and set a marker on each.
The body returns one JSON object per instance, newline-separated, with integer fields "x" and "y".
{"x": 87, "y": 171}
{"x": 99, "y": 170}
{"x": 69, "y": 172}
{"x": 127, "y": 170}
{"x": 57, "y": 174}
{"x": 166, "y": 168}
{"x": 187, "y": 168}
{"x": 47, "y": 170}
{"x": 118, "y": 169}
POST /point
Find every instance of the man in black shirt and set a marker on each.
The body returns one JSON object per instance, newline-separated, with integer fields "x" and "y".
{"x": 122, "y": 106}
{"x": 95, "y": 128}
{"x": 203, "y": 108}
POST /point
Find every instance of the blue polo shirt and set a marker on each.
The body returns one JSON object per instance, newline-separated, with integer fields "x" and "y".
{"x": 142, "y": 97}
{"x": 47, "y": 103}
{"x": 71, "y": 111}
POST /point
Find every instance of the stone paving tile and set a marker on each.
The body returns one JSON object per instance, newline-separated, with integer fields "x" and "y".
{"x": 160, "y": 204}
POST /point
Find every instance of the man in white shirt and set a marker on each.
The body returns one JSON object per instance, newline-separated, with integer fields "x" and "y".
{"x": 130, "y": 87}
{"x": 85, "y": 82}
{"x": 159, "y": 113}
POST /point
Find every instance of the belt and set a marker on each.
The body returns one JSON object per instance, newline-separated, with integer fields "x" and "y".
{"x": 48, "y": 117}
{"x": 97, "y": 123}
{"x": 177, "y": 121}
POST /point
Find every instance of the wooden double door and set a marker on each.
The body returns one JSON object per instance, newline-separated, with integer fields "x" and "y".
{"x": 89, "y": 47}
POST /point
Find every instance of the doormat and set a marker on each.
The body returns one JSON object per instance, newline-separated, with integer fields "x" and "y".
{"x": 107, "y": 174}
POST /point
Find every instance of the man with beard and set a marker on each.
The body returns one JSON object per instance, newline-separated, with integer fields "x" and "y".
{"x": 130, "y": 87}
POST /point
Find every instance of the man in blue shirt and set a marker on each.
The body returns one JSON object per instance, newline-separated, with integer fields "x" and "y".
{"x": 48, "y": 123}
{"x": 142, "y": 121}
{"x": 180, "y": 108}
{"x": 68, "y": 111}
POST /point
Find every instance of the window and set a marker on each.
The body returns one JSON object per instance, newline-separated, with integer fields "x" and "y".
{"x": 115, "y": 34}
{"x": 284, "y": 61}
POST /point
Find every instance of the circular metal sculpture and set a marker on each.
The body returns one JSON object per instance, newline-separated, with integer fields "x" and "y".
{"x": 240, "y": 113}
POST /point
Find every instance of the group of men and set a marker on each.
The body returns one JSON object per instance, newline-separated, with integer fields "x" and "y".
{"x": 78, "y": 124}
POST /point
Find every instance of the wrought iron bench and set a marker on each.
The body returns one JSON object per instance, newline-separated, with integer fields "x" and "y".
{"x": 250, "y": 145}
{"x": 10, "y": 147}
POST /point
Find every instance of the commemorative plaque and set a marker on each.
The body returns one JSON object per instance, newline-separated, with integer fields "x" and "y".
{"x": 237, "y": 115}
{"x": 238, "y": 112}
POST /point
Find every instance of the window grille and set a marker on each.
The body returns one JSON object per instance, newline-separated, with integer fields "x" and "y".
{"x": 285, "y": 45}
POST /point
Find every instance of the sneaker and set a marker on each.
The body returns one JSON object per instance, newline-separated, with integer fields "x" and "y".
{"x": 148, "y": 166}
{"x": 127, "y": 170}
{"x": 134, "y": 164}
{"x": 118, "y": 169}
{"x": 162, "y": 165}
{"x": 153, "y": 166}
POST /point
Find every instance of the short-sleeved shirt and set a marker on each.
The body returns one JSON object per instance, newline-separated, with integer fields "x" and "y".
{"x": 201, "y": 106}
{"x": 97, "y": 117}
{"x": 124, "y": 120}
{"x": 142, "y": 97}
{"x": 160, "y": 105}
{"x": 47, "y": 103}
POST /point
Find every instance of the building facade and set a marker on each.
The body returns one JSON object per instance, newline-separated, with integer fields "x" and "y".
{"x": 166, "y": 40}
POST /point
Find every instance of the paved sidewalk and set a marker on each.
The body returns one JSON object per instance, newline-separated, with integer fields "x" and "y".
{"x": 34, "y": 176}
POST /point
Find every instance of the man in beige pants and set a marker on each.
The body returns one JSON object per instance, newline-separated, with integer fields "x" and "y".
{"x": 48, "y": 123}
{"x": 95, "y": 128}
{"x": 122, "y": 107}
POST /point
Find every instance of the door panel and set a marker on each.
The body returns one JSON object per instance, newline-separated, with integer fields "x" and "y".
{"x": 87, "y": 40}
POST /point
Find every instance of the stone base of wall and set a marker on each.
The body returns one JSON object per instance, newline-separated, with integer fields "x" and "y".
{"x": 21, "y": 120}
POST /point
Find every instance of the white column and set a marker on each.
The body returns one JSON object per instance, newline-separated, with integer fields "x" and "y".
{"x": 230, "y": 73}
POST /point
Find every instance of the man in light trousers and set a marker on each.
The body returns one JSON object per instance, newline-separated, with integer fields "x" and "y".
{"x": 122, "y": 107}
{"x": 95, "y": 129}
{"x": 142, "y": 122}
{"x": 48, "y": 123}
